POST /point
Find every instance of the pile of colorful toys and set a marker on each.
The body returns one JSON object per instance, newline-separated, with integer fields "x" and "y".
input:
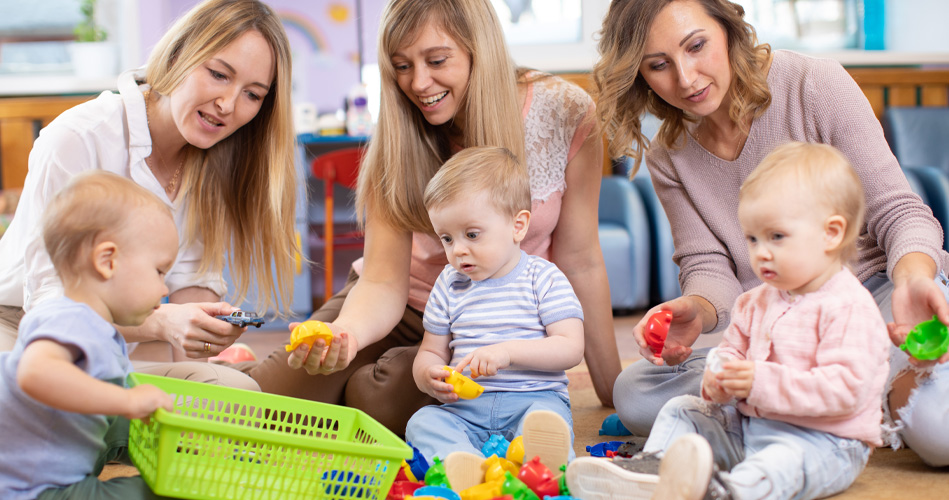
{"x": 507, "y": 478}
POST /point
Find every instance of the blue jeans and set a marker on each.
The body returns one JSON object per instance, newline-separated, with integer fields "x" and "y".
{"x": 465, "y": 425}
{"x": 761, "y": 458}
{"x": 642, "y": 388}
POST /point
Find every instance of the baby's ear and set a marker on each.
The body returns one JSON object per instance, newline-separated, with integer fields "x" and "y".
{"x": 521, "y": 222}
{"x": 835, "y": 227}
{"x": 103, "y": 258}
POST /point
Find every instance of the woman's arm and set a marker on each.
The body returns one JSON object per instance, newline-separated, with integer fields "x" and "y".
{"x": 576, "y": 251}
{"x": 376, "y": 302}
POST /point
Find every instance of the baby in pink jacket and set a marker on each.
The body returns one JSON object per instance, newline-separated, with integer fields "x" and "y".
{"x": 791, "y": 407}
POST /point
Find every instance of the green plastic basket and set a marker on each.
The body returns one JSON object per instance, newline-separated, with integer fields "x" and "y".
{"x": 224, "y": 443}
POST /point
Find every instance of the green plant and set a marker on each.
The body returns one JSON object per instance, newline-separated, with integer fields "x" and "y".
{"x": 88, "y": 30}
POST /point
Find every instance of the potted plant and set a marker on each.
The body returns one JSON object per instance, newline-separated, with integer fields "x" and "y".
{"x": 92, "y": 55}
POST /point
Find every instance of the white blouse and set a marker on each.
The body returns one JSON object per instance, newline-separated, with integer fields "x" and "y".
{"x": 108, "y": 133}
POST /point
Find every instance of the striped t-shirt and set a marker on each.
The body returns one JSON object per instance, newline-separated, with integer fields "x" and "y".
{"x": 517, "y": 306}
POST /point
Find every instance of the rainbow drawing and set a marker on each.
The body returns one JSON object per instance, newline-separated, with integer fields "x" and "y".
{"x": 295, "y": 21}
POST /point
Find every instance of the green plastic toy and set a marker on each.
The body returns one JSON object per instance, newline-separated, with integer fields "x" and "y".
{"x": 927, "y": 341}
{"x": 435, "y": 475}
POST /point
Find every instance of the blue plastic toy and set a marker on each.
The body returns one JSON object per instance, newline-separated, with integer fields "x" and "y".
{"x": 417, "y": 464}
{"x": 440, "y": 492}
{"x": 600, "y": 449}
{"x": 613, "y": 427}
{"x": 495, "y": 445}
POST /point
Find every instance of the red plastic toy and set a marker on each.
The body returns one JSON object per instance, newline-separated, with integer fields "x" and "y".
{"x": 538, "y": 478}
{"x": 656, "y": 330}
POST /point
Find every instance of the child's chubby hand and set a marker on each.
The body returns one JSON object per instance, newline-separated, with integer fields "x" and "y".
{"x": 435, "y": 386}
{"x": 485, "y": 361}
{"x": 737, "y": 377}
{"x": 144, "y": 399}
{"x": 712, "y": 389}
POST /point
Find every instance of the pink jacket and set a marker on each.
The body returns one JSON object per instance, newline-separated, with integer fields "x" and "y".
{"x": 821, "y": 359}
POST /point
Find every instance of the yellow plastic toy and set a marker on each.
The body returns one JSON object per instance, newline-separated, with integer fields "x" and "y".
{"x": 464, "y": 386}
{"x": 515, "y": 452}
{"x": 308, "y": 332}
{"x": 483, "y": 491}
{"x": 495, "y": 467}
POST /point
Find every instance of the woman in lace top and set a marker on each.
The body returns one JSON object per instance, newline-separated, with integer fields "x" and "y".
{"x": 449, "y": 83}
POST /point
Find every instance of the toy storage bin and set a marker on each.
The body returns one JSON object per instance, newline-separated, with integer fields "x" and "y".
{"x": 224, "y": 443}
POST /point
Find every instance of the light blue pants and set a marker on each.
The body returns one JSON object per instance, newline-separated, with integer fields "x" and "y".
{"x": 465, "y": 425}
{"x": 761, "y": 458}
{"x": 642, "y": 388}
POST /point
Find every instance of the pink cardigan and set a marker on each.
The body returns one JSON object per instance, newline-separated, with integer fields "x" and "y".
{"x": 820, "y": 359}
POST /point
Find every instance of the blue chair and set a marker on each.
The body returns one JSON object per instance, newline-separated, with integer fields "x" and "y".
{"x": 624, "y": 239}
{"x": 917, "y": 137}
{"x": 664, "y": 284}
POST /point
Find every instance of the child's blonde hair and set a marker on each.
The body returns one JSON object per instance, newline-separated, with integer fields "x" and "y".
{"x": 490, "y": 169}
{"x": 825, "y": 173}
{"x": 92, "y": 203}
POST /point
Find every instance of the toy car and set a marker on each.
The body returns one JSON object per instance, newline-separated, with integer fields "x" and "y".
{"x": 242, "y": 318}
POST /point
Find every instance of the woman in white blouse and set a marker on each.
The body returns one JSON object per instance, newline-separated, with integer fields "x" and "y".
{"x": 206, "y": 126}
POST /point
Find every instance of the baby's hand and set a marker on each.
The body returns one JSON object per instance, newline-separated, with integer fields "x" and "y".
{"x": 436, "y": 386}
{"x": 144, "y": 399}
{"x": 486, "y": 361}
{"x": 712, "y": 389}
{"x": 737, "y": 378}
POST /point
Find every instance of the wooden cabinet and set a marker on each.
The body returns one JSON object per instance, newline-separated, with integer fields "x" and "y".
{"x": 21, "y": 119}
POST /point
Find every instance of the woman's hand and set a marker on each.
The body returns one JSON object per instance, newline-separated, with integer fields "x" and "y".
{"x": 435, "y": 386}
{"x": 323, "y": 360}
{"x": 193, "y": 328}
{"x": 898, "y": 335}
{"x": 916, "y": 298}
{"x": 688, "y": 321}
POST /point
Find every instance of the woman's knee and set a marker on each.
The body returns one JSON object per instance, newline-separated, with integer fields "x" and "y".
{"x": 634, "y": 401}
{"x": 926, "y": 419}
{"x": 207, "y": 373}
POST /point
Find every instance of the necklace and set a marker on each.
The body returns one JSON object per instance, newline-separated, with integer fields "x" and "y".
{"x": 740, "y": 140}
{"x": 173, "y": 183}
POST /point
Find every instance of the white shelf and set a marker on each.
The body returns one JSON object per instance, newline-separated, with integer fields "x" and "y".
{"x": 53, "y": 84}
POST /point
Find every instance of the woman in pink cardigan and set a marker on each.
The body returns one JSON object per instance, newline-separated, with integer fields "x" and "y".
{"x": 725, "y": 103}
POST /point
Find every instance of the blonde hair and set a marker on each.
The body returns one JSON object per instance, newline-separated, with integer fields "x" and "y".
{"x": 623, "y": 95}
{"x": 485, "y": 169}
{"x": 92, "y": 203}
{"x": 406, "y": 151}
{"x": 242, "y": 191}
{"x": 820, "y": 170}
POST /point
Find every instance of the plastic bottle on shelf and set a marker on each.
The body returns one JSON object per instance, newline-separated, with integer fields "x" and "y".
{"x": 358, "y": 118}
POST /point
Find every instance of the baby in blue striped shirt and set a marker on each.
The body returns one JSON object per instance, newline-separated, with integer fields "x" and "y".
{"x": 509, "y": 319}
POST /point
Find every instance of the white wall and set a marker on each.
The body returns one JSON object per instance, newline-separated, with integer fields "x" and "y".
{"x": 916, "y": 25}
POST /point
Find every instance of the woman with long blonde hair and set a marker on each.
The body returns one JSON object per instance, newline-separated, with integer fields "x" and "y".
{"x": 448, "y": 83}
{"x": 725, "y": 102}
{"x": 206, "y": 127}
